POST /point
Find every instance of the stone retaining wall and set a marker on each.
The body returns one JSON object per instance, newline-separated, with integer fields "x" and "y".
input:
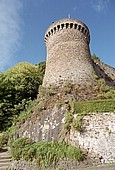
{"x": 98, "y": 136}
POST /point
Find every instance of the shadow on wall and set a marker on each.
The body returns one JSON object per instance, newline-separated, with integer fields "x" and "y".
{"x": 101, "y": 74}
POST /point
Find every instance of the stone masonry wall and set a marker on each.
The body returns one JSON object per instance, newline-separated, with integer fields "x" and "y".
{"x": 98, "y": 137}
{"x": 45, "y": 129}
{"x": 68, "y": 53}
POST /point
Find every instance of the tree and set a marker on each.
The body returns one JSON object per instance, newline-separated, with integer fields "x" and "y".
{"x": 18, "y": 85}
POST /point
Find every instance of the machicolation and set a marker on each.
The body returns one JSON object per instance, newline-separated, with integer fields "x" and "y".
{"x": 68, "y": 53}
{"x": 75, "y": 24}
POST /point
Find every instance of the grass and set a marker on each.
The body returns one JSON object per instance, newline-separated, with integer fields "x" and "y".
{"x": 95, "y": 106}
{"x": 82, "y": 108}
{"x": 44, "y": 153}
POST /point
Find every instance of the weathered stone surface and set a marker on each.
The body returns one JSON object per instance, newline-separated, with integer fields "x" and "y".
{"x": 46, "y": 129}
{"x": 23, "y": 165}
{"x": 68, "y": 54}
{"x": 105, "y": 71}
{"x": 98, "y": 136}
{"x": 69, "y": 60}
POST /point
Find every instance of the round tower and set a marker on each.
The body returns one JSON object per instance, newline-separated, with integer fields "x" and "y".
{"x": 68, "y": 53}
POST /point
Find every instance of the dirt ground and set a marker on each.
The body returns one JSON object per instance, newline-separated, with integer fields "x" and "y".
{"x": 100, "y": 167}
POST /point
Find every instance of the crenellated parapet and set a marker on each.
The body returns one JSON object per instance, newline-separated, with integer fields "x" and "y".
{"x": 67, "y": 24}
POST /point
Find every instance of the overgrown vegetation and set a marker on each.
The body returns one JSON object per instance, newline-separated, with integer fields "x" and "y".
{"x": 95, "y": 58}
{"x": 44, "y": 154}
{"x": 96, "y": 106}
{"x": 4, "y": 137}
{"x": 25, "y": 113}
{"x": 18, "y": 92}
{"x": 19, "y": 119}
{"x": 82, "y": 108}
{"x": 18, "y": 88}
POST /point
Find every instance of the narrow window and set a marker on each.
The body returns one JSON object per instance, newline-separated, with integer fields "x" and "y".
{"x": 54, "y": 28}
{"x": 85, "y": 31}
{"x": 51, "y": 31}
{"x": 82, "y": 29}
{"x": 79, "y": 27}
{"x": 71, "y": 25}
{"x": 62, "y": 25}
{"x": 75, "y": 26}
{"x": 67, "y": 25}
{"x": 58, "y": 27}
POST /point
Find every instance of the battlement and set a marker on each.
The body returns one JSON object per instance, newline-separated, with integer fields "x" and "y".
{"x": 64, "y": 24}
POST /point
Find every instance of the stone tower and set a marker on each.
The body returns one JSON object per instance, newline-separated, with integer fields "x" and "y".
{"x": 68, "y": 53}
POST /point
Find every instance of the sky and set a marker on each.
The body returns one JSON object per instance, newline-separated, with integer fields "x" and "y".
{"x": 23, "y": 24}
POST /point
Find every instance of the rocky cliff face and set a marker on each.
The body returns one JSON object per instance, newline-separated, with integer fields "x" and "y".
{"x": 46, "y": 129}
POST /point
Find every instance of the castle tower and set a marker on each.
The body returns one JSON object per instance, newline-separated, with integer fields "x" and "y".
{"x": 68, "y": 53}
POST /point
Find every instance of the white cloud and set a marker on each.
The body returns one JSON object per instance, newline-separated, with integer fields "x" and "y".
{"x": 100, "y": 5}
{"x": 10, "y": 29}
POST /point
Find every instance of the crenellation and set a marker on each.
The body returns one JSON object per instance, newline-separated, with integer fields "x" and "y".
{"x": 68, "y": 25}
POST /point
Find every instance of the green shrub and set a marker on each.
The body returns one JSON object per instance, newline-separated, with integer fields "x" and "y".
{"x": 95, "y": 58}
{"x": 17, "y": 147}
{"x": 110, "y": 94}
{"x": 11, "y": 131}
{"x": 21, "y": 142}
{"x": 49, "y": 91}
{"x": 18, "y": 86}
{"x": 46, "y": 153}
{"x": 78, "y": 123}
{"x": 3, "y": 139}
{"x": 102, "y": 85}
{"x": 70, "y": 111}
{"x": 25, "y": 112}
{"x": 68, "y": 120}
